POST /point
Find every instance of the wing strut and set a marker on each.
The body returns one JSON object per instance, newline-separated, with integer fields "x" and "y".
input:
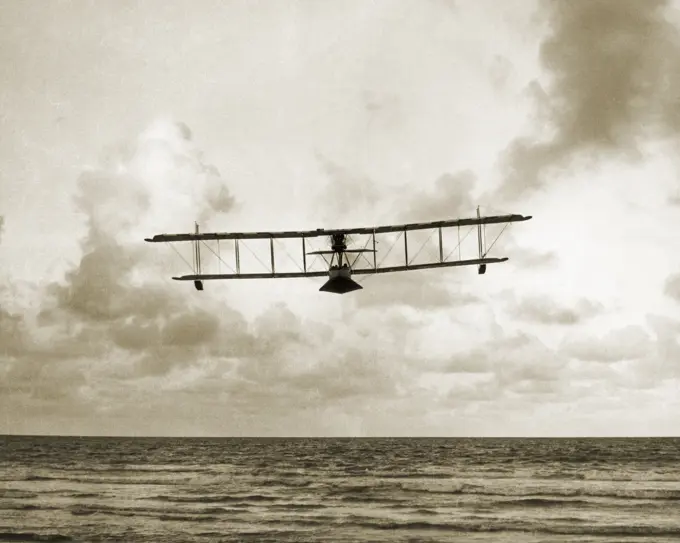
{"x": 197, "y": 260}
{"x": 481, "y": 270}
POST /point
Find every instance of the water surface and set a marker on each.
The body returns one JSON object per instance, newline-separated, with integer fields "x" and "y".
{"x": 421, "y": 489}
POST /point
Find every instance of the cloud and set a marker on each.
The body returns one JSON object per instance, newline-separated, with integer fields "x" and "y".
{"x": 422, "y": 289}
{"x": 613, "y": 65}
{"x": 300, "y": 371}
{"x": 511, "y": 364}
{"x": 530, "y": 258}
{"x": 672, "y": 287}
{"x": 2, "y": 226}
{"x": 116, "y": 337}
{"x": 113, "y": 313}
{"x": 662, "y": 361}
{"x": 346, "y": 194}
{"x": 450, "y": 198}
{"x": 543, "y": 310}
{"x": 627, "y": 343}
{"x": 12, "y": 334}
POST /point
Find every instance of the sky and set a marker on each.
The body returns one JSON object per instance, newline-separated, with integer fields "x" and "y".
{"x": 125, "y": 119}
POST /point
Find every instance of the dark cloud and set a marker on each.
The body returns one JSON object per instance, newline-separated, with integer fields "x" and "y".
{"x": 613, "y": 65}
{"x": 218, "y": 197}
{"x": 628, "y": 343}
{"x": 99, "y": 288}
{"x": 184, "y": 130}
{"x": 543, "y": 310}
{"x": 672, "y": 287}
{"x": 450, "y": 198}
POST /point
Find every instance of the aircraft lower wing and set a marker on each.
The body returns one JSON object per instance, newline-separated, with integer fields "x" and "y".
{"x": 360, "y": 271}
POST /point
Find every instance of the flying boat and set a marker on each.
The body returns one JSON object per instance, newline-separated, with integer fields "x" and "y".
{"x": 338, "y": 256}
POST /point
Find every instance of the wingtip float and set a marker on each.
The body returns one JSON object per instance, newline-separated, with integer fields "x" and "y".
{"x": 340, "y": 269}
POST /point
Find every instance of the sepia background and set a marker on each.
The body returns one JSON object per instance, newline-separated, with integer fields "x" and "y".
{"x": 121, "y": 120}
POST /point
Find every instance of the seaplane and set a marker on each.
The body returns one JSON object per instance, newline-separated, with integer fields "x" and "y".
{"x": 338, "y": 257}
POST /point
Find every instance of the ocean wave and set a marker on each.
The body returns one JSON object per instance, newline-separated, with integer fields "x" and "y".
{"x": 415, "y": 475}
{"x": 30, "y": 536}
{"x": 296, "y": 506}
{"x": 423, "y": 511}
{"x": 360, "y": 489}
{"x": 188, "y": 518}
{"x": 97, "y": 480}
{"x": 215, "y": 498}
{"x": 542, "y": 502}
{"x": 669, "y": 494}
{"x": 285, "y": 482}
{"x": 17, "y": 494}
{"x": 527, "y": 527}
{"x": 374, "y": 499}
{"x": 27, "y": 507}
{"x": 198, "y": 515}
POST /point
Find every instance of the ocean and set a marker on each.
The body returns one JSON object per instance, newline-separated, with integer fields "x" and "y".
{"x": 383, "y": 489}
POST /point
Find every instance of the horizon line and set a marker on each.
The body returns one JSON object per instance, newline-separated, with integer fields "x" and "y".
{"x": 334, "y": 437}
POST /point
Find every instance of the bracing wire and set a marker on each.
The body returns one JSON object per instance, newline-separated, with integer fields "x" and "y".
{"x": 424, "y": 244}
{"x": 218, "y": 256}
{"x": 390, "y": 249}
{"x": 459, "y": 243}
{"x": 279, "y": 244}
{"x": 365, "y": 278}
{"x": 360, "y": 254}
{"x": 180, "y": 255}
{"x": 265, "y": 266}
{"x": 497, "y": 238}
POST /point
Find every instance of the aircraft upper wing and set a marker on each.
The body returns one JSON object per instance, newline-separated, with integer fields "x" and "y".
{"x": 494, "y": 219}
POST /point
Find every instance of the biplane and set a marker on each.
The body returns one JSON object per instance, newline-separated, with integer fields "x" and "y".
{"x": 340, "y": 266}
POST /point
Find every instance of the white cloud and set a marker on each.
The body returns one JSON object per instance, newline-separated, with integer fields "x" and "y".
{"x": 542, "y": 310}
{"x": 628, "y": 343}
